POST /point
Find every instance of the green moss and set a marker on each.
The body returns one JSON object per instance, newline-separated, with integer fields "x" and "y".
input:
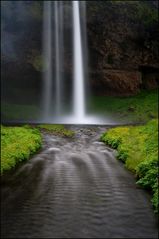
{"x": 35, "y": 58}
{"x": 57, "y": 129}
{"x": 38, "y": 63}
{"x": 145, "y": 13}
{"x": 18, "y": 144}
{"x": 155, "y": 198}
{"x": 15, "y": 111}
{"x": 144, "y": 105}
{"x": 141, "y": 11}
{"x": 137, "y": 146}
{"x": 36, "y": 10}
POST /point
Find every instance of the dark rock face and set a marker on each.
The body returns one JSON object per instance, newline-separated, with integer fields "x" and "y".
{"x": 122, "y": 41}
{"x": 117, "y": 82}
{"x": 21, "y": 49}
{"x": 123, "y": 37}
{"x": 150, "y": 77}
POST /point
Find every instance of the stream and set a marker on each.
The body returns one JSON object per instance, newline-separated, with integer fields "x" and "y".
{"x": 75, "y": 188}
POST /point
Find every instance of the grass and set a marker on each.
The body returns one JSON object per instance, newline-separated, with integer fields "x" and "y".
{"x": 134, "y": 109}
{"x": 57, "y": 129}
{"x": 18, "y": 144}
{"x": 19, "y": 112}
{"x": 137, "y": 147}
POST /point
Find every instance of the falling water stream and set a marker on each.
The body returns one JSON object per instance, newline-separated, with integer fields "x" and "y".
{"x": 79, "y": 98}
{"x": 54, "y": 60}
{"x": 57, "y": 58}
{"x": 47, "y": 54}
{"x": 78, "y": 111}
{"x": 75, "y": 188}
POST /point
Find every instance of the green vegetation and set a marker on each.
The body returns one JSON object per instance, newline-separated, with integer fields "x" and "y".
{"x": 18, "y": 144}
{"x": 137, "y": 147}
{"x": 36, "y": 10}
{"x": 145, "y": 13}
{"x": 139, "y": 108}
{"x": 36, "y": 60}
{"x": 57, "y": 129}
{"x": 20, "y": 112}
{"x": 37, "y": 63}
{"x": 142, "y": 12}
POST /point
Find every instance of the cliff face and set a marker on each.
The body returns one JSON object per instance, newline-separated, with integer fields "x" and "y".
{"x": 21, "y": 51}
{"x": 122, "y": 45}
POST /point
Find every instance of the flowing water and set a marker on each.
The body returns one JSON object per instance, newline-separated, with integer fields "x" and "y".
{"x": 56, "y": 56}
{"x": 47, "y": 55}
{"x": 79, "y": 98}
{"x": 53, "y": 32}
{"x": 75, "y": 188}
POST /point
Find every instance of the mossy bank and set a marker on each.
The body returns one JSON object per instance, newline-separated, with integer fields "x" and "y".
{"x": 57, "y": 129}
{"x": 137, "y": 147}
{"x": 17, "y": 145}
{"x": 139, "y": 108}
{"x": 20, "y": 143}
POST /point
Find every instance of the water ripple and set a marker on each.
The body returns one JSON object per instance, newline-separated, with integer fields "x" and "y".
{"x": 74, "y": 189}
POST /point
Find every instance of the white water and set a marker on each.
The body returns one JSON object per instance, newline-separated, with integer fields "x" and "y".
{"x": 53, "y": 31}
{"x": 47, "y": 53}
{"x": 58, "y": 14}
{"x": 54, "y": 36}
{"x": 57, "y": 57}
{"x": 79, "y": 97}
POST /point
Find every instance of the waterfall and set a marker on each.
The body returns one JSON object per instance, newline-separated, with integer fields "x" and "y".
{"x": 47, "y": 55}
{"x": 58, "y": 13}
{"x": 57, "y": 57}
{"x": 54, "y": 95}
{"x": 79, "y": 98}
{"x": 53, "y": 32}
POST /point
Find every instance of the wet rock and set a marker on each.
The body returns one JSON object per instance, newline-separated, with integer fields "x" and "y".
{"x": 123, "y": 43}
{"x": 122, "y": 36}
{"x": 118, "y": 82}
{"x": 151, "y": 81}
